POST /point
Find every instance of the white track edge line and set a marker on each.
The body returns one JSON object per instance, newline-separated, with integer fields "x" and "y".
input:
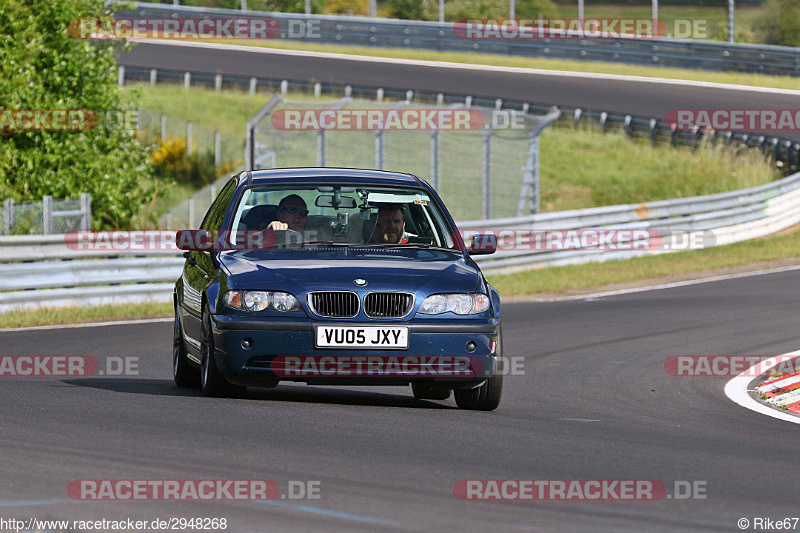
{"x": 736, "y": 391}
{"x": 92, "y": 324}
{"x": 596, "y": 295}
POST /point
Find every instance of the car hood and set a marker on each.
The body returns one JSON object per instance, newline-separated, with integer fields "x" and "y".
{"x": 309, "y": 269}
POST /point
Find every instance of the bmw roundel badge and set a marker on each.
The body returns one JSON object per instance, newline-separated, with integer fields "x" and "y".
{"x": 360, "y": 282}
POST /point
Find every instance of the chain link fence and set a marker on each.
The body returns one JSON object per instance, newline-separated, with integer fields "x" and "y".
{"x": 226, "y": 149}
{"x": 486, "y": 170}
{"x": 46, "y": 217}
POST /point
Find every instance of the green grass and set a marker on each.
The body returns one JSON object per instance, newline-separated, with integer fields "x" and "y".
{"x": 593, "y": 275}
{"x": 738, "y": 78}
{"x": 77, "y": 315}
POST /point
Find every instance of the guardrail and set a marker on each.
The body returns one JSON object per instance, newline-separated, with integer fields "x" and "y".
{"x": 128, "y": 276}
{"x": 697, "y": 54}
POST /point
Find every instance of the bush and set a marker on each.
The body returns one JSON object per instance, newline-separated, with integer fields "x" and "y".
{"x": 779, "y": 23}
{"x": 44, "y": 68}
{"x": 170, "y": 160}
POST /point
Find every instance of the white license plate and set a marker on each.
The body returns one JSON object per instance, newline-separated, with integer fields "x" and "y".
{"x": 362, "y": 337}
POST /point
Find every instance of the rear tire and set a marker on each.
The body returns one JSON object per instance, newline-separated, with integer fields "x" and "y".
{"x": 429, "y": 391}
{"x": 183, "y": 372}
{"x": 212, "y": 381}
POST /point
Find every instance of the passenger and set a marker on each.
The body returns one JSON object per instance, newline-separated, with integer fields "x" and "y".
{"x": 291, "y": 214}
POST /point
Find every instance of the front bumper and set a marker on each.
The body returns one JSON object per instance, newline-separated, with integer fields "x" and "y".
{"x": 284, "y": 350}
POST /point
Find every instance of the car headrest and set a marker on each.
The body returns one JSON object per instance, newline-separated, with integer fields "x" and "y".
{"x": 259, "y": 216}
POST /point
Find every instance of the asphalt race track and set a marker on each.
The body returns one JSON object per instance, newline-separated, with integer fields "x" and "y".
{"x": 594, "y": 403}
{"x": 640, "y": 98}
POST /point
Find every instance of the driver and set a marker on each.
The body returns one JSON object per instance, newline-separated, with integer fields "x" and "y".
{"x": 390, "y": 226}
{"x": 292, "y": 213}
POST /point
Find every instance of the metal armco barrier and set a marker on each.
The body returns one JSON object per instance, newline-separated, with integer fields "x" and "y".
{"x": 697, "y": 54}
{"x": 731, "y": 216}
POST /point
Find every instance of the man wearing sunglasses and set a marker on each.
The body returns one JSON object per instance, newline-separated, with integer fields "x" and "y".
{"x": 292, "y": 213}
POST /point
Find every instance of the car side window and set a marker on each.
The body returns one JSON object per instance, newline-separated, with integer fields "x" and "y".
{"x": 215, "y": 214}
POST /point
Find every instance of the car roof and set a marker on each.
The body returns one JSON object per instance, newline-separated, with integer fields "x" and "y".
{"x": 358, "y": 176}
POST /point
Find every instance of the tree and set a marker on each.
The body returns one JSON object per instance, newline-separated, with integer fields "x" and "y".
{"x": 44, "y": 68}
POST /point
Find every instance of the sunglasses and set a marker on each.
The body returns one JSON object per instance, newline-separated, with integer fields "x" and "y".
{"x": 295, "y": 211}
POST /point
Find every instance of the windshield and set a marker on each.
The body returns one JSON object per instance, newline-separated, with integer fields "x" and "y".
{"x": 343, "y": 215}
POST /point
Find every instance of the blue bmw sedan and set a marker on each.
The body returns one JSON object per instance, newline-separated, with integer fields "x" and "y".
{"x": 336, "y": 277}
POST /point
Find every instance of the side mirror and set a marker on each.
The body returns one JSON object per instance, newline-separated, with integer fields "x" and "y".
{"x": 194, "y": 240}
{"x": 483, "y": 244}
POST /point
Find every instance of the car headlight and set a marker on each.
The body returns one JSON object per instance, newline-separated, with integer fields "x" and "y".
{"x": 261, "y": 300}
{"x": 460, "y": 304}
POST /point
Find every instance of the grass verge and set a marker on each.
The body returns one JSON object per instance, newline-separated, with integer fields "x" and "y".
{"x": 683, "y": 265}
{"x": 78, "y": 315}
{"x": 473, "y": 58}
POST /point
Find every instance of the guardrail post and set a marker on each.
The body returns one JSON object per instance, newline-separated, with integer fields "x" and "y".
{"x": 189, "y": 137}
{"x": 409, "y": 95}
{"x": 435, "y": 159}
{"x": 218, "y": 82}
{"x": 153, "y": 77}
{"x": 380, "y": 149}
{"x": 440, "y": 99}
{"x": 253, "y": 84}
{"x": 86, "y": 209}
{"x": 629, "y": 125}
{"x": 284, "y": 87}
{"x": 486, "y": 175}
{"x": 498, "y": 104}
{"x": 163, "y": 127}
{"x": 348, "y": 91}
{"x": 653, "y": 132}
{"x": 187, "y": 80}
{"x": 317, "y": 90}
{"x": 468, "y": 101}
{"x": 8, "y": 216}
{"x": 121, "y": 75}
{"x": 673, "y": 131}
{"x": 321, "y": 148}
{"x": 217, "y": 154}
{"x": 379, "y": 95}
{"x": 525, "y": 107}
{"x": 47, "y": 215}
{"x": 577, "y": 116}
{"x": 244, "y": 5}
{"x": 603, "y": 120}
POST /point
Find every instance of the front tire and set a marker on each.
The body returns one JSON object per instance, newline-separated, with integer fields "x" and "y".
{"x": 212, "y": 381}
{"x": 483, "y": 398}
{"x": 184, "y": 374}
{"x": 487, "y": 396}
